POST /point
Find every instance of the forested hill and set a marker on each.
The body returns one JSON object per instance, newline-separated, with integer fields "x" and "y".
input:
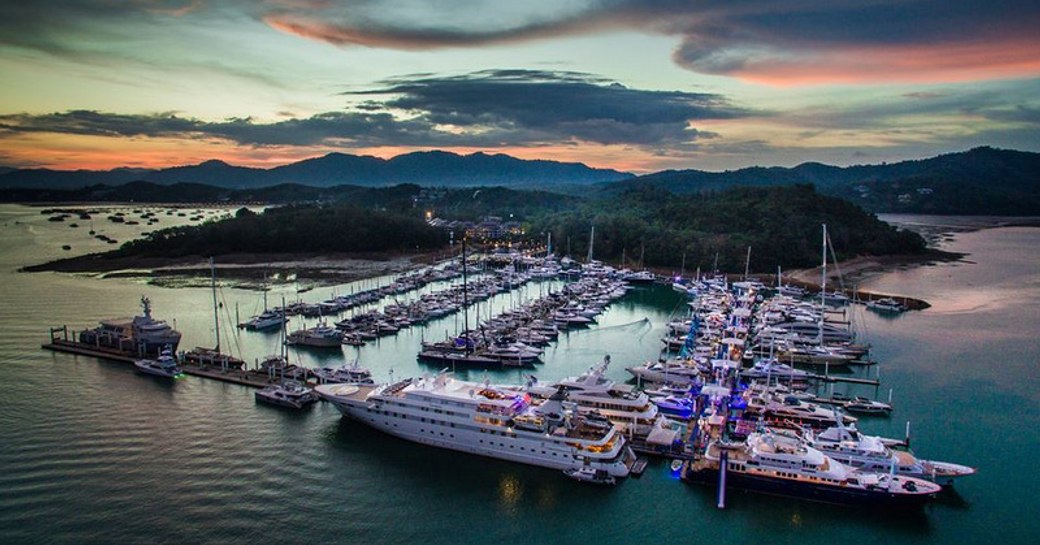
{"x": 781, "y": 224}
{"x": 979, "y": 181}
{"x": 293, "y": 229}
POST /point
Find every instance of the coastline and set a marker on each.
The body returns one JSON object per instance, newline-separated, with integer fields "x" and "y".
{"x": 855, "y": 270}
{"x": 246, "y": 270}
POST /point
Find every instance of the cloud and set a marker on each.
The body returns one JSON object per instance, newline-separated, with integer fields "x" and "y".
{"x": 776, "y": 41}
{"x": 485, "y": 109}
{"x": 559, "y": 106}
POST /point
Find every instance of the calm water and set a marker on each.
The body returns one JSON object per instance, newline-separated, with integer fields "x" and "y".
{"x": 91, "y": 452}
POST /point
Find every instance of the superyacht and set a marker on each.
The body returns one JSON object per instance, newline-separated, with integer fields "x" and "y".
{"x": 478, "y": 418}
{"x": 870, "y": 453}
{"x": 782, "y": 465}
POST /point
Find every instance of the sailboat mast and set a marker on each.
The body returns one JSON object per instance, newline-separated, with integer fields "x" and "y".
{"x": 465, "y": 293}
{"x": 213, "y": 287}
{"x": 823, "y": 280}
{"x": 823, "y": 284}
{"x": 747, "y": 263}
{"x": 592, "y": 242}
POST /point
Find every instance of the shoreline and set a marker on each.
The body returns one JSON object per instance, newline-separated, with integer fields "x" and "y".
{"x": 854, "y": 270}
{"x": 244, "y": 270}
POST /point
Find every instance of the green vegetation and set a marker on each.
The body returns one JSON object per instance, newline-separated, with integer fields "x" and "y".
{"x": 297, "y": 228}
{"x": 781, "y": 224}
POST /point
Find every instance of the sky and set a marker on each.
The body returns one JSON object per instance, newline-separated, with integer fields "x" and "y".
{"x": 634, "y": 85}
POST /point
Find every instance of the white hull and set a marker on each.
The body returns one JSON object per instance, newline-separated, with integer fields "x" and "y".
{"x": 526, "y": 447}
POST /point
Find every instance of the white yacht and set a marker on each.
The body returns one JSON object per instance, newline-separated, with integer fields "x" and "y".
{"x": 773, "y": 370}
{"x": 348, "y": 374}
{"x": 289, "y": 394}
{"x": 267, "y": 319}
{"x": 629, "y": 409}
{"x": 847, "y": 445}
{"x": 863, "y": 405}
{"x": 480, "y": 419}
{"x": 163, "y": 366}
{"x": 886, "y": 304}
{"x": 668, "y": 372}
{"x": 791, "y": 412}
{"x": 784, "y": 465}
{"x": 319, "y": 336}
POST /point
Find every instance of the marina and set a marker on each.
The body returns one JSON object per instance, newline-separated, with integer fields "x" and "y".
{"x": 573, "y": 354}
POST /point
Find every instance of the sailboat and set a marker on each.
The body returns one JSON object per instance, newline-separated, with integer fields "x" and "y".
{"x": 213, "y": 356}
{"x": 268, "y": 319}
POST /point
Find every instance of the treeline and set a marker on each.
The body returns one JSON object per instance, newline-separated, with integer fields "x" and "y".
{"x": 474, "y": 204}
{"x": 782, "y": 225}
{"x": 290, "y": 229}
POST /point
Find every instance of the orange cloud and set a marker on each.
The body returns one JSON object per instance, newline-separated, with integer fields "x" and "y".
{"x": 930, "y": 63}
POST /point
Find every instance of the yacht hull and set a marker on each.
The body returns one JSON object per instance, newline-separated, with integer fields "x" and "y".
{"x": 810, "y": 491}
{"x": 526, "y": 450}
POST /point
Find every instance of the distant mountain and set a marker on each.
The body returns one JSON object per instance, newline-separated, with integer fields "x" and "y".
{"x": 978, "y": 181}
{"x": 433, "y": 168}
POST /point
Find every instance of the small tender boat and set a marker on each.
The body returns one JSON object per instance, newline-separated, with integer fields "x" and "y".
{"x": 590, "y": 475}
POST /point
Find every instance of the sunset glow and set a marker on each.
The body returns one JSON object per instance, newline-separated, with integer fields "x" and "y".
{"x": 632, "y": 85}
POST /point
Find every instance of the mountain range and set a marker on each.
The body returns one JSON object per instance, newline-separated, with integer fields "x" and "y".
{"x": 431, "y": 168}
{"x": 978, "y": 181}
{"x": 982, "y": 180}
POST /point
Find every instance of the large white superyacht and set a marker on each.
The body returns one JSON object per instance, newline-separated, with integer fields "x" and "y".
{"x": 481, "y": 419}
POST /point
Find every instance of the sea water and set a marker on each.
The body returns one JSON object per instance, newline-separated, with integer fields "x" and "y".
{"x": 92, "y": 452}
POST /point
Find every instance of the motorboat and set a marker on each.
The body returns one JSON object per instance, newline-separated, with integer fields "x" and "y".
{"x": 165, "y": 365}
{"x": 348, "y": 374}
{"x": 320, "y": 336}
{"x": 886, "y": 304}
{"x": 288, "y": 393}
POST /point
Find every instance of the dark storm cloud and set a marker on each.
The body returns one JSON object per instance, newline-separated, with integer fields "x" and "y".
{"x": 489, "y": 109}
{"x": 567, "y": 105}
{"x": 776, "y": 41}
{"x": 772, "y": 40}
